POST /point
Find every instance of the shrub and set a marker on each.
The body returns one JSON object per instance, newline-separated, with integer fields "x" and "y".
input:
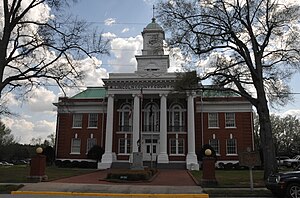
{"x": 131, "y": 175}
{"x": 58, "y": 163}
{"x": 75, "y": 164}
{"x": 95, "y": 153}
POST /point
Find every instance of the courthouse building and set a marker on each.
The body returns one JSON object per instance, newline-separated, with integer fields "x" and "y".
{"x": 142, "y": 112}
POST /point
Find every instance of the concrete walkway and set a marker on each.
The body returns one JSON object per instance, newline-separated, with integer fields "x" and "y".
{"x": 163, "y": 178}
{"x": 166, "y": 183}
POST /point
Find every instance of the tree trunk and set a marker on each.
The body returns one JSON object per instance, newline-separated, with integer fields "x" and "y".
{"x": 267, "y": 145}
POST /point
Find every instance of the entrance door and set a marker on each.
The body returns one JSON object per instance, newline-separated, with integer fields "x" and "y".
{"x": 150, "y": 150}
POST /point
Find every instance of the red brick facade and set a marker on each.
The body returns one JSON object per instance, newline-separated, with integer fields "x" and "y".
{"x": 242, "y": 131}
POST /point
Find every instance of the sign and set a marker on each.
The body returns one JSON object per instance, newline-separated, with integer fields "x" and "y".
{"x": 249, "y": 159}
{"x": 137, "y": 163}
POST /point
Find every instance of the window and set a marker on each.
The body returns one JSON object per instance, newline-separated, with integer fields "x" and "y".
{"x": 75, "y": 146}
{"x": 93, "y": 120}
{"x": 151, "y": 118}
{"x": 90, "y": 143}
{"x": 229, "y": 120}
{"x": 77, "y": 120}
{"x": 173, "y": 146}
{"x": 177, "y": 146}
{"x": 231, "y": 147}
{"x": 125, "y": 118}
{"x": 214, "y": 143}
{"x": 177, "y": 119}
{"x": 213, "y": 121}
{"x": 124, "y": 146}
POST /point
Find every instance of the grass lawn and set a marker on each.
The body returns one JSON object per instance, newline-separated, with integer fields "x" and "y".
{"x": 235, "y": 178}
{"x": 228, "y": 179}
{"x": 19, "y": 173}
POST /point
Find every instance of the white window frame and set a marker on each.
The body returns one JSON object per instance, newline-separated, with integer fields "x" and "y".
{"x": 151, "y": 122}
{"x": 177, "y": 146}
{"x": 125, "y": 117}
{"x": 77, "y": 120}
{"x": 216, "y": 147}
{"x": 230, "y": 121}
{"x": 75, "y": 149}
{"x": 93, "y": 120}
{"x": 213, "y": 123}
{"x": 175, "y": 110}
{"x": 230, "y": 147}
{"x": 90, "y": 142}
{"x": 127, "y": 146}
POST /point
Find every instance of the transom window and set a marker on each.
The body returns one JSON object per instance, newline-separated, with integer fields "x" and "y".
{"x": 231, "y": 147}
{"x": 77, "y": 120}
{"x": 229, "y": 120}
{"x": 93, "y": 120}
{"x": 213, "y": 120}
{"x": 75, "y": 146}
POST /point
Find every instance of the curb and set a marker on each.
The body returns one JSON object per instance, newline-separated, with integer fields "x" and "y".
{"x": 108, "y": 194}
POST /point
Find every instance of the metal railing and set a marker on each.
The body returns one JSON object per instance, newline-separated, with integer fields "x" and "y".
{"x": 176, "y": 128}
{"x": 125, "y": 128}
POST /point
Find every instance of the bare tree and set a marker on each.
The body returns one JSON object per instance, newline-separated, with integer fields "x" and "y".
{"x": 41, "y": 45}
{"x": 251, "y": 46}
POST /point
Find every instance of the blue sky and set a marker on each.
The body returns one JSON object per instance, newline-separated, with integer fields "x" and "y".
{"x": 37, "y": 115}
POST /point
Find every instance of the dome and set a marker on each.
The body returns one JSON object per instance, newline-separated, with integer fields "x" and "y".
{"x": 153, "y": 25}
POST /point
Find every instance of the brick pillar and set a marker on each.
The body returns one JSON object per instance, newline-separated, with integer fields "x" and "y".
{"x": 38, "y": 168}
{"x": 208, "y": 169}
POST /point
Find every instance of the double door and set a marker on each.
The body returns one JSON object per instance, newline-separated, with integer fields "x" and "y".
{"x": 150, "y": 149}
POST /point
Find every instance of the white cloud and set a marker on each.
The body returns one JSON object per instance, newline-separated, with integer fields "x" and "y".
{"x": 24, "y": 130}
{"x": 292, "y": 112}
{"x": 124, "y": 50}
{"x": 9, "y": 99}
{"x": 125, "y": 30}
{"x": 93, "y": 71}
{"x": 93, "y": 74}
{"x": 109, "y": 21}
{"x": 176, "y": 60}
{"x": 41, "y": 100}
{"x": 109, "y": 35}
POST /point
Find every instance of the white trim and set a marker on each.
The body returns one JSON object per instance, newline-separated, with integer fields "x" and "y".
{"x": 224, "y": 106}
{"x": 183, "y": 133}
{"x": 74, "y": 153}
{"x": 74, "y": 159}
{"x": 231, "y": 154}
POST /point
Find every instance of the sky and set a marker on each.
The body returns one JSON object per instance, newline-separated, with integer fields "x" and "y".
{"x": 122, "y": 21}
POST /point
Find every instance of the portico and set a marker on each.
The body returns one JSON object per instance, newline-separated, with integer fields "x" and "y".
{"x": 147, "y": 99}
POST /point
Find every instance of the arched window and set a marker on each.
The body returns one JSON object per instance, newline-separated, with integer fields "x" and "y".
{"x": 177, "y": 116}
{"x": 151, "y": 118}
{"x": 125, "y": 118}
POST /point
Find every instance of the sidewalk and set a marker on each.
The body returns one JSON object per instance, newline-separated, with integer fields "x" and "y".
{"x": 165, "y": 184}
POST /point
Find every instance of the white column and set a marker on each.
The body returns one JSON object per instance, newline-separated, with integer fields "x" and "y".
{"x": 163, "y": 156}
{"x": 191, "y": 158}
{"x": 136, "y": 123}
{"x": 107, "y": 157}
